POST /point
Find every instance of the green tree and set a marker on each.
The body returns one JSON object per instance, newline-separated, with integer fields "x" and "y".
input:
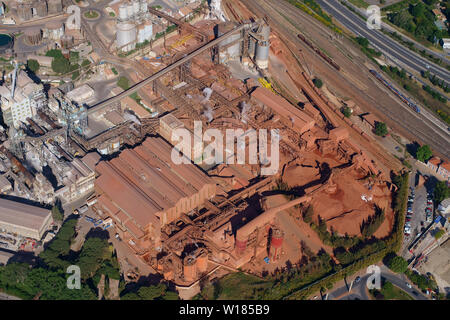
{"x": 347, "y": 112}
{"x": 381, "y": 129}
{"x": 398, "y": 264}
{"x": 318, "y": 82}
{"x": 441, "y": 192}
{"x": 424, "y": 153}
{"x": 60, "y": 65}
{"x": 33, "y": 65}
{"x": 56, "y": 214}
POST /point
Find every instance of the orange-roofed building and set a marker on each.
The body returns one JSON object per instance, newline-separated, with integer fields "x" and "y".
{"x": 142, "y": 190}
{"x": 434, "y": 163}
{"x": 444, "y": 170}
{"x": 338, "y": 134}
{"x": 299, "y": 119}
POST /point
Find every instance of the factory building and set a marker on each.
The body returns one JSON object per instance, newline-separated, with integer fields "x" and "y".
{"x": 79, "y": 179}
{"x": 142, "y": 190}
{"x": 23, "y": 219}
{"x": 292, "y": 115}
{"x": 21, "y": 99}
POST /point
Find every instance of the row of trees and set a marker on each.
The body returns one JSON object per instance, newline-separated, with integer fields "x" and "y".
{"x": 371, "y": 225}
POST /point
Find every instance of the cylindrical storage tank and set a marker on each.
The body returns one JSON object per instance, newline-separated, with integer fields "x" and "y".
{"x": 123, "y": 13}
{"x": 252, "y": 47}
{"x": 202, "y": 262}
{"x": 126, "y": 35}
{"x": 241, "y": 245}
{"x": 33, "y": 35}
{"x": 233, "y": 51}
{"x": 276, "y": 243}
{"x": 190, "y": 269}
{"x": 144, "y": 6}
{"x": 262, "y": 54}
{"x": 24, "y": 11}
{"x": 54, "y": 6}
{"x": 136, "y": 7}
{"x": 130, "y": 10}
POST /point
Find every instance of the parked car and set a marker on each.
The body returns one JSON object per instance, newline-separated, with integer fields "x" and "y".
{"x": 357, "y": 279}
{"x": 409, "y": 285}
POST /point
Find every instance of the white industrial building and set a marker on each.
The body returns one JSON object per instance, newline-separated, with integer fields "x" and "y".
{"x": 24, "y": 220}
{"x": 21, "y": 99}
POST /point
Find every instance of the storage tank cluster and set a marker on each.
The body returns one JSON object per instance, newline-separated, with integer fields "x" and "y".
{"x": 133, "y": 25}
{"x": 259, "y": 45}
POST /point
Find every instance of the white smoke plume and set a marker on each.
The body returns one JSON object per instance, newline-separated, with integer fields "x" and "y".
{"x": 129, "y": 116}
{"x": 207, "y": 92}
{"x": 245, "y": 108}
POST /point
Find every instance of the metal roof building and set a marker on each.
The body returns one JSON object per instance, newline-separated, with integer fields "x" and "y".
{"x": 23, "y": 219}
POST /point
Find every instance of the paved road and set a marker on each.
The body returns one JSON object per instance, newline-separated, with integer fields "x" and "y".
{"x": 383, "y": 42}
{"x": 359, "y": 289}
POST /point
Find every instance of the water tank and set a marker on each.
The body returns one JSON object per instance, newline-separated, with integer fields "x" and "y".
{"x": 276, "y": 243}
{"x": 234, "y": 51}
{"x": 33, "y": 35}
{"x": 24, "y": 11}
{"x": 126, "y": 36}
{"x": 123, "y": 13}
{"x": 190, "y": 269}
{"x": 41, "y": 8}
{"x": 144, "y": 6}
{"x": 54, "y": 6}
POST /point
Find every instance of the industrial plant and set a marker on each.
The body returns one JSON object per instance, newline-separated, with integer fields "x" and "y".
{"x": 91, "y": 117}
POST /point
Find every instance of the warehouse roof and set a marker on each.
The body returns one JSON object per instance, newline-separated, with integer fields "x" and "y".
{"x": 21, "y": 214}
{"x": 144, "y": 181}
{"x": 281, "y": 106}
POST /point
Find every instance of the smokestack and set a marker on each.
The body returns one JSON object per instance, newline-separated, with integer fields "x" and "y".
{"x": 13, "y": 86}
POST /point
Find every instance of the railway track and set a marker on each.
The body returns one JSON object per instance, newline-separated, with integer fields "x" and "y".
{"x": 281, "y": 15}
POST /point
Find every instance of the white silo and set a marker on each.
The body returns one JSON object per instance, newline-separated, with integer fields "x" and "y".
{"x": 145, "y": 31}
{"x": 228, "y": 51}
{"x": 136, "y": 7}
{"x": 262, "y": 48}
{"x": 144, "y": 6}
{"x": 130, "y": 10}
{"x": 123, "y": 13}
{"x": 126, "y": 36}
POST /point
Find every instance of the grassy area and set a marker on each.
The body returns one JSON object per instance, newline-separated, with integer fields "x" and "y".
{"x": 313, "y": 9}
{"x": 359, "y": 3}
{"x": 390, "y": 292}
